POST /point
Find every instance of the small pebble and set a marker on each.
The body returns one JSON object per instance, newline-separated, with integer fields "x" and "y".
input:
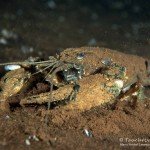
{"x": 11, "y": 67}
{"x": 7, "y": 117}
{"x": 119, "y": 83}
{"x": 51, "y": 4}
{"x": 135, "y": 94}
{"x": 27, "y": 141}
{"x": 33, "y": 59}
{"x": 3, "y": 41}
{"x": 31, "y": 137}
{"x": 87, "y": 133}
{"x": 92, "y": 42}
{"x": 9, "y": 34}
{"x": 35, "y": 138}
{"x": 26, "y": 49}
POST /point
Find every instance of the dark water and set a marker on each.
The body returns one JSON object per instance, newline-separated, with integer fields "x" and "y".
{"x": 45, "y": 27}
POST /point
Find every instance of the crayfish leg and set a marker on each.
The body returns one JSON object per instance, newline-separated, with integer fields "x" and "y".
{"x": 74, "y": 93}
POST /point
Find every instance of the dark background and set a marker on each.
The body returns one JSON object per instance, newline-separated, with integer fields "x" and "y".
{"x": 46, "y": 27}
